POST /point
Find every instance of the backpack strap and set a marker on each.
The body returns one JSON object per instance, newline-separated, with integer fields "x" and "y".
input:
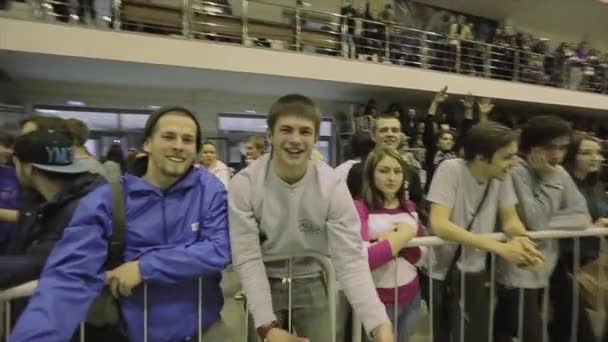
{"x": 116, "y": 247}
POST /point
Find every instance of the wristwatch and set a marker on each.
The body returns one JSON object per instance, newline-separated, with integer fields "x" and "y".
{"x": 264, "y": 329}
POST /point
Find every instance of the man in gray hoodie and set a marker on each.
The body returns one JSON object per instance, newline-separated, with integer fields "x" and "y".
{"x": 547, "y": 199}
{"x": 285, "y": 203}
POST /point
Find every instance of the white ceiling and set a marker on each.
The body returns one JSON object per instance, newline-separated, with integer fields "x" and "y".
{"x": 21, "y": 65}
{"x": 28, "y": 66}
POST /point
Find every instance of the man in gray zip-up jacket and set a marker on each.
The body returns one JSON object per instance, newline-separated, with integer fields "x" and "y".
{"x": 285, "y": 203}
{"x": 548, "y": 200}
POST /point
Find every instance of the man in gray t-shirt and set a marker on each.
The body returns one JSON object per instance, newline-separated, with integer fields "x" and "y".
{"x": 467, "y": 196}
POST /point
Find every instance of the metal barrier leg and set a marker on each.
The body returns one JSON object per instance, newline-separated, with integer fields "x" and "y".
{"x": 575, "y": 290}
{"x": 82, "y": 332}
{"x": 246, "y": 321}
{"x": 462, "y": 299}
{"x": 520, "y": 315}
{"x": 492, "y": 296}
{"x": 289, "y": 294}
{"x": 545, "y": 314}
{"x": 7, "y": 319}
{"x": 200, "y": 309}
{"x": 431, "y": 299}
{"x": 395, "y": 303}
{"x": 601, "y": 276}
{"x": 145, "y": 313}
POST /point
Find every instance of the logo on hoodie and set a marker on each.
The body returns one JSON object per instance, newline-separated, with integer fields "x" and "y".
{"x": 307, "y": 226}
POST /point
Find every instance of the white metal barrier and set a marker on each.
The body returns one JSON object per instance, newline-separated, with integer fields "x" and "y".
{"x": 431, "y": 241}
{"x": 27, "y": 289}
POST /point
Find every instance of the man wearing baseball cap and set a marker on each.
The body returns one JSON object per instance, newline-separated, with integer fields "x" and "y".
{"x": 44, "y": 163}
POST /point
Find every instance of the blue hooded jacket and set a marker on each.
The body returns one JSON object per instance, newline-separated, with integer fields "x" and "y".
{"x": 9, "y": 191}
{"x": 177, "y": 236}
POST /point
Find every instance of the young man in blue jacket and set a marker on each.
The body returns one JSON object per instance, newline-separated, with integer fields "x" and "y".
{"x": 176, "y": 229}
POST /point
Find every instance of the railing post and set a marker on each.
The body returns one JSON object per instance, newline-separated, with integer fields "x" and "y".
{"x": 458, "y": 58}
{"x": 487, "y": 61}
{"x": 424, "y": 51}
{"x": 245, "y": 22}
{"x": 117, "y": 11}
{"x": 387, "y": 47}
{"x": 516, "y": 66}
{"x": 7, "y": 319}
{"x": 345, "y": 38}
{"x": 186, "y": 18}
{"x": 298, "y": 28}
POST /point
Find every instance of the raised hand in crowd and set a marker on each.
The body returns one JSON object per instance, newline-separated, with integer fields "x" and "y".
{"x": 485, "y": 106}
{"x": 439, "y": 98}
{"x": 469, "y": 103}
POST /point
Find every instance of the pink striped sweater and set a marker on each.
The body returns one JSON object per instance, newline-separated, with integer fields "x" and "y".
{"x": 391, "y": 273}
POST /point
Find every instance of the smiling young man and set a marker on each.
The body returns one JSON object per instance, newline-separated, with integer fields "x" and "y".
{"x": 548, "y": 199}
{"x": 176, "y": 230}
{"x": 287, "y": 203}
{"x": 467, "y": 196}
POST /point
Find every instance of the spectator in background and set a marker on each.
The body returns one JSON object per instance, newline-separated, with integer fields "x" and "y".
{"x": 86, "y": 7}
{"x": 386, "y": 132}
{"x": 388, "y": 223}
{"x": 44, "y": 163}
{"x": 583, "y": 162}
{"x": 547, "y": 199}
{"x": 254, "y": 148}
{"x": 409, "y": 123}
{"x": 80, "y": 134}
{"x": 210, "y": 162}
{"x": 9, "y": 189}
{"x": 361, "y": 145}
{"x": 177, "y": 233}
{"x": 114, "y": 164}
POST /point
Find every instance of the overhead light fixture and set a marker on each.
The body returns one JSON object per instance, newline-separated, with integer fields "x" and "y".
{"x": 76, "y": 103}
{"x": 106, "y": 18}
{"x": 250, "y": 111}
{"x": 154, "y": 107}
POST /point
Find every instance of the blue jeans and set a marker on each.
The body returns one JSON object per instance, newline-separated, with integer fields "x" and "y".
{"x": 407, "y": 318}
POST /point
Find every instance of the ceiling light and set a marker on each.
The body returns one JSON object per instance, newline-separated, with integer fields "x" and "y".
{"x": 76, "y": 103}
{"x": 154, "y": 107}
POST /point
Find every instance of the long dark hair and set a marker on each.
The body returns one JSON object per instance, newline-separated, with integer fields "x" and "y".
{"x": 115, "y": 154}
{"x": 570, "y": 159}
{"x": 371, "y": 195}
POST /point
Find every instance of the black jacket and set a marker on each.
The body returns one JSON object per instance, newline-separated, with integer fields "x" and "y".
{"x": 39, "y": 229}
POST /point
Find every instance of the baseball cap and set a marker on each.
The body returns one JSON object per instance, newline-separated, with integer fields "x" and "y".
{"x": 49, "y": 150}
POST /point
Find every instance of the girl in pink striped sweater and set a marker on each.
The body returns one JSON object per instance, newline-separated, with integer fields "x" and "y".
{"x": 388, "y": 223}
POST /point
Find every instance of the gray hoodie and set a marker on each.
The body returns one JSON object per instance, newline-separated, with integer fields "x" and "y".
{"x": 547, "y": 202}
{"x": 317, "y": 214}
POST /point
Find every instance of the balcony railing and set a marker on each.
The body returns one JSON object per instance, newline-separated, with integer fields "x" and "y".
{"x": 297, "y": 28}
